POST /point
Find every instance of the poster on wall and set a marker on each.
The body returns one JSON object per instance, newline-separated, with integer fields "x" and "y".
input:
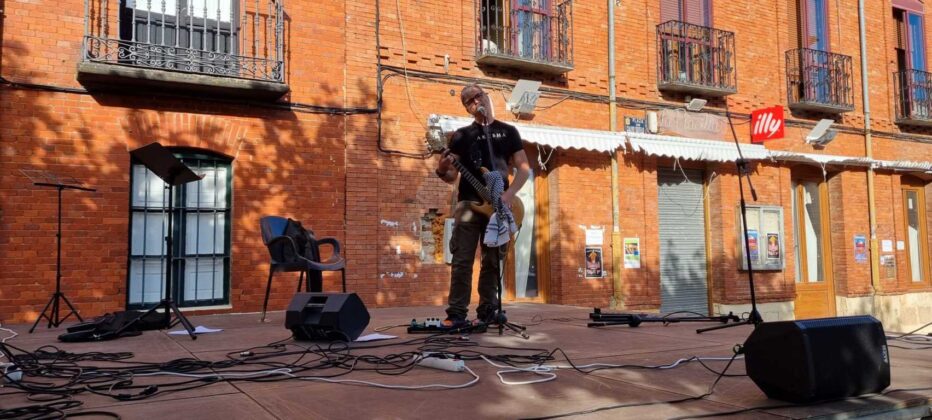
{"x": 594, "y": 262}
{"x": 754, "y": 245}
{"x": 632, "y": 253}
{"x": 860, "y": 249}
{"x": 888, "y": 266}
{"x": 773, "y": 246}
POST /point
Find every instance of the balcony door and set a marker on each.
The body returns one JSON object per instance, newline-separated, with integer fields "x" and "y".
{"x": 815, "y": 288}
{"x": 696, "y": 12}
{"x": 911, "y": 62}
{"x": 817, "y": 62}
{"x": 532, "y": 34}
{"x": 188, "y": 35}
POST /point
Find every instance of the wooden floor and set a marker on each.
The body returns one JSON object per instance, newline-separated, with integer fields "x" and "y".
{"x": 550, "y": 327}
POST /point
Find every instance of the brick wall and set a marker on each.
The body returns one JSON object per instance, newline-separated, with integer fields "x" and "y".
{"x": 370, "y": 186}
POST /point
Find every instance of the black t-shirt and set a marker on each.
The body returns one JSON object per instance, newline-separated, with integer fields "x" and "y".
{"x": 469, "y": 143}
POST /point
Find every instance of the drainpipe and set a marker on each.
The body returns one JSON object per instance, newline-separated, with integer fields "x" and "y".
{"x": 871, "y": 208}
{"x": 617, "y": 297}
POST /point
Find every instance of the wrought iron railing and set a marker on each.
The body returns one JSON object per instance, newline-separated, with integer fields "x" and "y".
{"x": 819, "y": 79}
{"x": 697, "y": 57}
{"x": 230, "y": 38}
{"x": 913, "y": 93}
{"x": 533, "y": 30}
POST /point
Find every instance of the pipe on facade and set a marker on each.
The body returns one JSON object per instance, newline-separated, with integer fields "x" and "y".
{"x": 617, "y": 296}
{"x": 871, "y": 207}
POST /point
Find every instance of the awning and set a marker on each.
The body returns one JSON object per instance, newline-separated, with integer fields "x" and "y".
{"x": 821, "y": 160}
{"x": 694, "y": 149}
{"x": 551, "y": 136}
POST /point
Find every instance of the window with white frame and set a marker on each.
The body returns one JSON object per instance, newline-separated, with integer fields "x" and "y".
{"x": 201, "y": 237}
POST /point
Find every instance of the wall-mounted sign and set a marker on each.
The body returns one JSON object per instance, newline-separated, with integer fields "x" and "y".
{"x": 691, "y": 124}
{"x": 767, "y": 124}
{"x": 635, "y": 125}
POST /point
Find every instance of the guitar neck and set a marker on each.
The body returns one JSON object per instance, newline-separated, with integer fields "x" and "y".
{"x": 479, "y": 186}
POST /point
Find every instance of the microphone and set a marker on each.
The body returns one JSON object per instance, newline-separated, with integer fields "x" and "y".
{"x": 481, "y": 110}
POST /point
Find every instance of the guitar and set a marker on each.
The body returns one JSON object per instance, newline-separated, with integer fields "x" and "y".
{"x": 435, "y": 145}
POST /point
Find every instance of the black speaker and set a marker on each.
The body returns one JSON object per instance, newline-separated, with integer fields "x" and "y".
{"x": 818, "y": 359}
{"x": 326, "y": 316}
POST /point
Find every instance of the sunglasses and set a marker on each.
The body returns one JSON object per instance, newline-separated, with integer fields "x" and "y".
{"x": 472, "y": 99}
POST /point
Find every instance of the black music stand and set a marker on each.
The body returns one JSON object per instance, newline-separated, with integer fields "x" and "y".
{"x": 48, "y": 179}
{"x": 166, "y": 166}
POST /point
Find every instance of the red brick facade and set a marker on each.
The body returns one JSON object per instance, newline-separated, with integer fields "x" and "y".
{"x": 365, "y": 181}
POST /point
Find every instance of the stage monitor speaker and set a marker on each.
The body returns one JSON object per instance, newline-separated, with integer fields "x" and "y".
{"x": 818, "y": 359}
{"x": 326, "y": 316}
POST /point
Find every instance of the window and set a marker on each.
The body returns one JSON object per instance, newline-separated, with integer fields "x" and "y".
{"x": 201, "y": 237}
{"x": 765, "y": 237}
{"x": 916, "y": 234}
{"x": 696, "y": 12}
{"x": 204, "y": 31}
{"x": 523, "y": 28}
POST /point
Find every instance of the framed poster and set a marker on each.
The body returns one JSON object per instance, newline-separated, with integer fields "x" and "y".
{"x": 765, "y": 238}
{"x": 594, "y": 262}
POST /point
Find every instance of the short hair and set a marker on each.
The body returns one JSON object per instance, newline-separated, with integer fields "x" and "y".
{"x": 468, "y": 88}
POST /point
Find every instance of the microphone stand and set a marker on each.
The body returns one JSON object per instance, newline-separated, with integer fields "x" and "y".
{"x": 741, "y": 163}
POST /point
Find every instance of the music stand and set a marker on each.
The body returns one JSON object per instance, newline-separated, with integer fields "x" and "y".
{"x": 47, "y": 179}
{"x": 166, "y": 166}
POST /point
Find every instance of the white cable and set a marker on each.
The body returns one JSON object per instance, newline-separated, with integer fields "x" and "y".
{"x": 549, "y": 371}
{"x": 6, "y": 338}
{"x": 407, "y": 387}
{"x": 273, "y": 372}
{"x": 287, "y": 372}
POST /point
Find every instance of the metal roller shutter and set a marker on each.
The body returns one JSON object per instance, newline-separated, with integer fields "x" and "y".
{"x": 683, "y": 285}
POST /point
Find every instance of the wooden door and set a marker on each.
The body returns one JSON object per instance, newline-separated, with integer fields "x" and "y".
{"x": 815, "y": 286}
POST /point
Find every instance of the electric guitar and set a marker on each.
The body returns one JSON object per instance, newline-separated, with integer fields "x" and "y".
{"x": 434, "y": 144}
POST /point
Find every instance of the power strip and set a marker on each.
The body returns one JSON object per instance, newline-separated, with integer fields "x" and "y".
{"x": 438, "y": 362}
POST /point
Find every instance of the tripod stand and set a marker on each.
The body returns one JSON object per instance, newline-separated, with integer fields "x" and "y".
{"x": 54, "y": 302}
{"x": 499, "y": 318}
{"x": 741, "y": 163}
{"x": 166, "y": 166}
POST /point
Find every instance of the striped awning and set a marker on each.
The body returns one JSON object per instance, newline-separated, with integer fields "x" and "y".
{"x": 821, "y": 160}
{"x": 693, "y": 149}
{"x": 551, "y": 136}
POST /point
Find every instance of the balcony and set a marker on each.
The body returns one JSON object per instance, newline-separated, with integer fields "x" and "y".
{"x": 693, "y": 59}
{"x": 531, "y": 35}
{"x": 229, "y": 48}
{"x": 819, "y": 81}
{"x": 913, "y": 97}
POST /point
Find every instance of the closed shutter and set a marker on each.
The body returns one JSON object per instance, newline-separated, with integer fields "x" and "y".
{"x": 793, "y": 18}
{"x": 669, "y": 10}
{"x": 683, "y": 283}
{"x": 698, "y": 12}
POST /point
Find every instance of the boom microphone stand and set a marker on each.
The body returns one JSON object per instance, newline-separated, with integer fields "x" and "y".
{"x": 741, "y": 163}
{"x": 54, "y": 302}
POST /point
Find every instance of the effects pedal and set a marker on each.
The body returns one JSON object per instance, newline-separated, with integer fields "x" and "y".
{"x": 435, "y": 326}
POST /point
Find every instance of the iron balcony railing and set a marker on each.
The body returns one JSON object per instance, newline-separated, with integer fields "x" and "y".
{"x": 230, "y": 38}
{"x": 695, "y": 59}
{"x": 535, "y": 34}
{"x": 913, "y": 92}
{"x": 819, "y": 81}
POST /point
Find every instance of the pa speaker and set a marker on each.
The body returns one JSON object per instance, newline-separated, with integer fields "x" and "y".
{"x": 818, "y": 359}
{"x": 326, "y": 316}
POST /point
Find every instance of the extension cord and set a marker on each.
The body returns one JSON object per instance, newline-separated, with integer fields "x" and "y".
{"x": 452, "y": 365}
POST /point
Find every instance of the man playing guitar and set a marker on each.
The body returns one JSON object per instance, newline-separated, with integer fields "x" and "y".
{"x": 470, "y": 148}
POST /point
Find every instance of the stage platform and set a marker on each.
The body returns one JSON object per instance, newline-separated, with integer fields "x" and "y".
{"x": 646, "y": 392}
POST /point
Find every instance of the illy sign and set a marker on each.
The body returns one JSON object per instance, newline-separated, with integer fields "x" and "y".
{"x": 767, "y": 124}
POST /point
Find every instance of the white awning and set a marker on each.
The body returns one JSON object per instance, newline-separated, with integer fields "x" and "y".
{"x": 904, "y": 165}
{"x": 551, "y": 136}
{"x": 694, "y": 149}
{"x": 821, "y": 160}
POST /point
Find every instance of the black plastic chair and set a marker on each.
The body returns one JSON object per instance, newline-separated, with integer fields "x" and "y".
{"x": 293, "y": 248}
